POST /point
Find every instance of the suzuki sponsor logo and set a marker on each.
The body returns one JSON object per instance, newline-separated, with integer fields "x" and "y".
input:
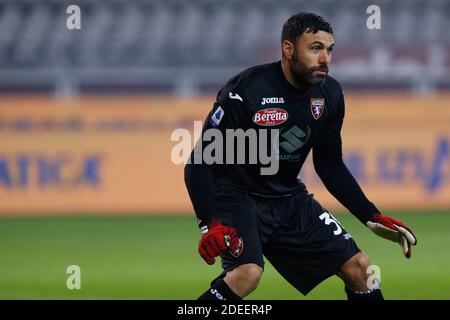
{"x": 270, "y": 117}
{"x": 295, "y": 138}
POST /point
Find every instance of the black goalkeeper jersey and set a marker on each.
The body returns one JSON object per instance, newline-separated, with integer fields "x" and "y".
{"x": 261, "y": 98}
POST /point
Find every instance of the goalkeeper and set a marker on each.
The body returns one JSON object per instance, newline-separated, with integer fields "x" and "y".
{"x": 245, "y": 216}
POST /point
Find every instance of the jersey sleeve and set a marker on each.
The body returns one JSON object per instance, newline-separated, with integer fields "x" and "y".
{"x": 330, "y": 141}
{"x": 228, "y": 112}
{"x": 329, "y": 165}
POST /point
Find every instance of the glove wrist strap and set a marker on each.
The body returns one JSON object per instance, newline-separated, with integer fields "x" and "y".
{"x": 204, "y": 229}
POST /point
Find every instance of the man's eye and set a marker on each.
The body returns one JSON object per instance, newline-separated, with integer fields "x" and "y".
{"x": 316, "y": 48}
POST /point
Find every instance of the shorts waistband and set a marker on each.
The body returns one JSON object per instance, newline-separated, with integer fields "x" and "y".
{"x": 270, "y": 195}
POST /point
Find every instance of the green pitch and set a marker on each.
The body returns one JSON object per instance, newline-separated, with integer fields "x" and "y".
{"x": 156, "y": 258}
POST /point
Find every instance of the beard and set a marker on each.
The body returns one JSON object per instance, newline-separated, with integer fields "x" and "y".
{"x": 304, "y": 75}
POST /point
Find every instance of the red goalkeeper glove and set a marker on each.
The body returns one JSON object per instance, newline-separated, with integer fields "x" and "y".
{"x": 218, "y": 239}
{"x": 394, "y": 230}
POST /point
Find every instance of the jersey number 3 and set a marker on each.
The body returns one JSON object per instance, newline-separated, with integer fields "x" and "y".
{"x": 330, "y": 219}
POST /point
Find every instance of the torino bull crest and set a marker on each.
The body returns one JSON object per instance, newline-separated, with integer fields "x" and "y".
{"x": 317, "y": 106}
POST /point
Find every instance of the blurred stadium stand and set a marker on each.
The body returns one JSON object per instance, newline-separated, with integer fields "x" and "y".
{"x": 189, "y": 47}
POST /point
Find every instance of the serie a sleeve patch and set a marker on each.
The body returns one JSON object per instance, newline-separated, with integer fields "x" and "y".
{"x": 216, "y": 117}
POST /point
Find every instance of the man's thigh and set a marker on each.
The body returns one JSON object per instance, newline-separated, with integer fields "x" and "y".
{"x": 310, "y": 246}
{"x": 236, "y": 209}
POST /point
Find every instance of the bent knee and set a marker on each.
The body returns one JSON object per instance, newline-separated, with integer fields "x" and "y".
{"x": 249, "y": 273}
{"x": 244, "y": 278}
{"x": 354, "y": 272}
{"x": 359, "y": 262}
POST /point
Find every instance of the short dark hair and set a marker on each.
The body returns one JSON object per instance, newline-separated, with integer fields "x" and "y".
{"x": 302, "y": 22}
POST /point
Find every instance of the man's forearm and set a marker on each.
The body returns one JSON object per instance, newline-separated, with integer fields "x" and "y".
{"x": 342, "y": 185}
{"x": 199, "y": 182}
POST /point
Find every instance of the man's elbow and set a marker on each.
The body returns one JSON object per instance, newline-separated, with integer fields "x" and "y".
{"x": 320, "y": 169}
{"x": 320, "y": 164}
{"x": 324, "y": 164}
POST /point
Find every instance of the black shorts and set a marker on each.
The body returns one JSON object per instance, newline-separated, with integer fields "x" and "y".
{"x": 300, "y": 238}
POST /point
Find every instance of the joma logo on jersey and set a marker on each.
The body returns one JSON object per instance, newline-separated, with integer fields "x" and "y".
{"x": 270, "y": 117}
{"x": 271, "y": 100}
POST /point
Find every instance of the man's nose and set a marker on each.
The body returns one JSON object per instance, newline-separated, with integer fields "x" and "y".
{"x": 324, "y": 57}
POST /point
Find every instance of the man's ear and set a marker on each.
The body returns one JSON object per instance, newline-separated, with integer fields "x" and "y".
{"x": 287, "y": 48}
